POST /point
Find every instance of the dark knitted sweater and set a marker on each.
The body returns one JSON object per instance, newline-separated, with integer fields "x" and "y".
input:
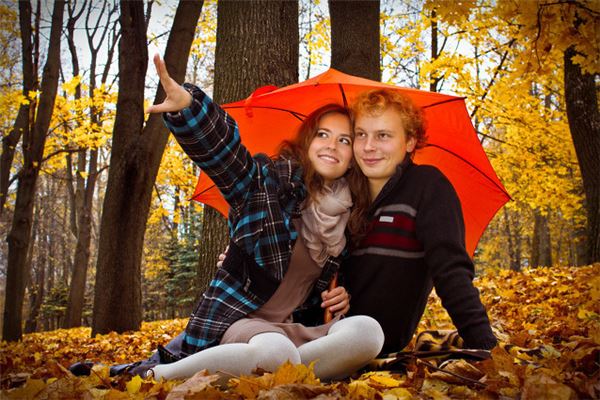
{"x": 415, "y": 242}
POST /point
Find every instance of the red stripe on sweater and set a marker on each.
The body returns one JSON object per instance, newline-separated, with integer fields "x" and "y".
{"x": 390, "y": 240}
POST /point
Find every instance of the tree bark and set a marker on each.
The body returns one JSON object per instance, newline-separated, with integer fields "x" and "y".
{"x": 584, "y": 123}
{"x": 541, "y": 246}
{"x": 257, "y": 44}
{"x": 33, "y": 148}
{"x": 135, "y": 159}
{"x": 21, "y": 126}
{"x": 355, "y": 37}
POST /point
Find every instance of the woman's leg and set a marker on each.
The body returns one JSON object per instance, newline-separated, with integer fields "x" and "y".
{"x": 349, "y": 345}
{"x": 265, "y": 350}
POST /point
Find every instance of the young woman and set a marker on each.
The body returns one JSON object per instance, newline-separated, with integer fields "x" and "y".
{"x": 287, "y": 221}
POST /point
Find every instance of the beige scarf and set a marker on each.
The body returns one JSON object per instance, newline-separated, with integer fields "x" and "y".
{"x": 324, "y": 220}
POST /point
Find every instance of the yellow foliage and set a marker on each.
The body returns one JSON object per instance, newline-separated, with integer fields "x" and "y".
{"x": 564, "y": 359}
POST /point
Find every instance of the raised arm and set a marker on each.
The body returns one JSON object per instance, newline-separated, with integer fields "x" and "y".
{"x": 208, "y": 135}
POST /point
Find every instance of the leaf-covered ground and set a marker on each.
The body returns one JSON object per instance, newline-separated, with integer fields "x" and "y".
{"x": 555, "y": 311}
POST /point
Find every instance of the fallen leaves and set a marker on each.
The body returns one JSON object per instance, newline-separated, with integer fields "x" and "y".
{"x": 549, "y": 316}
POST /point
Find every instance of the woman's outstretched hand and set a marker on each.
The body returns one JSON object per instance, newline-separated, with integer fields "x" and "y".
{"x": 177, "y": 98}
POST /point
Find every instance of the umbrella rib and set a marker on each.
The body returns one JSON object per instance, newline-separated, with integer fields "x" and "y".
{"x": 298, "y": 115}
{"x": 472, "y": 165}
{"x": 343, "y": 95}
{"x": 444, "y": 102}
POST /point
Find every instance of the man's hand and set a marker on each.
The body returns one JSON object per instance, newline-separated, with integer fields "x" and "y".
{"x": 337, "y": 300}
{"x": 177, "y": 98}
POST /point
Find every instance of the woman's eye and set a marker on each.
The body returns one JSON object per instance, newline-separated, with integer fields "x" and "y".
{"x": 345, "y": 140}
{"x": 321, "y": 134}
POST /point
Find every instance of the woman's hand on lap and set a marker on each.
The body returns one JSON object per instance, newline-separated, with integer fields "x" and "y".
{"x": 177, "y": 98}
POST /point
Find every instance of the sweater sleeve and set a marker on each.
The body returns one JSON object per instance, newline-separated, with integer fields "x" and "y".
{"x": 210, "y": 137}
{"x": 440, "y": 228}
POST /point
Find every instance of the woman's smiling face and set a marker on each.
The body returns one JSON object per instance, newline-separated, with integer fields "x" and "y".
{"x": 330, "y": 151}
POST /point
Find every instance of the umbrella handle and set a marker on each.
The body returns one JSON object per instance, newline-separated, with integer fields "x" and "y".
{"x": 332, "y": 285}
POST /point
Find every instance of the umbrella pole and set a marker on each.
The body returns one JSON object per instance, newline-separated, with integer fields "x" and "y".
{"x": 332, "y": 285}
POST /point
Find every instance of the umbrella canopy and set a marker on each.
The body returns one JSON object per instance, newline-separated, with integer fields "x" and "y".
{"x": 271, "y": 115}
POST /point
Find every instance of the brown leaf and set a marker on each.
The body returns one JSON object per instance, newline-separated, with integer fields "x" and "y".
{"x": 294, "y": 391}
{"x": 541, "y": 386}
{"x": 461, "y": 368}
{"x": 195, "y": 385}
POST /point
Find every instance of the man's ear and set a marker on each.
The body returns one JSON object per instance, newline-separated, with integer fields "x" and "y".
{"x": 411, "y": 143}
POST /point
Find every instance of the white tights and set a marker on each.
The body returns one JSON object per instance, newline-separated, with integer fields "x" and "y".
{"x": 350, "y": 344}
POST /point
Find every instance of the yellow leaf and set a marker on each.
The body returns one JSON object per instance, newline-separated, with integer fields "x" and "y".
{"x": 397, "y": 394}
{"x": 28, "y": 391}
{"x": 360, "y": 390}
{"x": 384, "y": 380}
{"x": 290, "y": 373}
{"x": 134, "y": 385}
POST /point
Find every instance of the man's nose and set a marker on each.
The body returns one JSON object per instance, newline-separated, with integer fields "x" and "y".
{"x": 369, "y": 144}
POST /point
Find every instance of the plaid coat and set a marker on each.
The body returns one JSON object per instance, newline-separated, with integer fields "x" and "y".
{"x": 264, "y": 195}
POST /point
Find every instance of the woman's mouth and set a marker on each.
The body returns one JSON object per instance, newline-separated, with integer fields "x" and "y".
{"x": 328, "y": 159}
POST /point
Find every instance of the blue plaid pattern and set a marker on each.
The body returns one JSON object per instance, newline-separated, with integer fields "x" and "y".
{"x": 264, "y": 195}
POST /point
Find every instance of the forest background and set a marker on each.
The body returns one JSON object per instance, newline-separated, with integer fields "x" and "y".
{"x": 99, "y": 228}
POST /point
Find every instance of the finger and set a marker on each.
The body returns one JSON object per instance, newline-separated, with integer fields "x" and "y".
{"x": 334, "y": 300}
{"x": 158, "y": 108}
{"x": 328, "y": 294}
{"x": 343, "y": 312}
{"x": 161, "y": 68}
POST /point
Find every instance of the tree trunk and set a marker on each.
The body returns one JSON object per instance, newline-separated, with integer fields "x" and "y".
{"x": 584, "y": 123}
{"x": 434, "y": 80}
{"x": 84, "y": 195}
{"x": 36, "y": 279}
{"x": 355, "y": 37}
{"x": 133, "y": 167}
{"x": 21, "y": 126}
{"x": 33, "y": 148}
{"x": 262, "y": 37}
{"x": 541, "y": 246}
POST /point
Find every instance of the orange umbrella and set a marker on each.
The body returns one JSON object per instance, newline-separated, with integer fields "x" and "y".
{"x": 271, "y": 115}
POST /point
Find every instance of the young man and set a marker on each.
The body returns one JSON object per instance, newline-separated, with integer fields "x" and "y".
{"x": 413, "y": 228}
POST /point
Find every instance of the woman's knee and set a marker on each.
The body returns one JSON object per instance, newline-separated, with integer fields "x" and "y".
{"x": 273, "y": 349}
{"x": 365, "y": 330}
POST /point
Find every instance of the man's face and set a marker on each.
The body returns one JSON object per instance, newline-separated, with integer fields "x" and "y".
{"x": 380, "y": 144}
